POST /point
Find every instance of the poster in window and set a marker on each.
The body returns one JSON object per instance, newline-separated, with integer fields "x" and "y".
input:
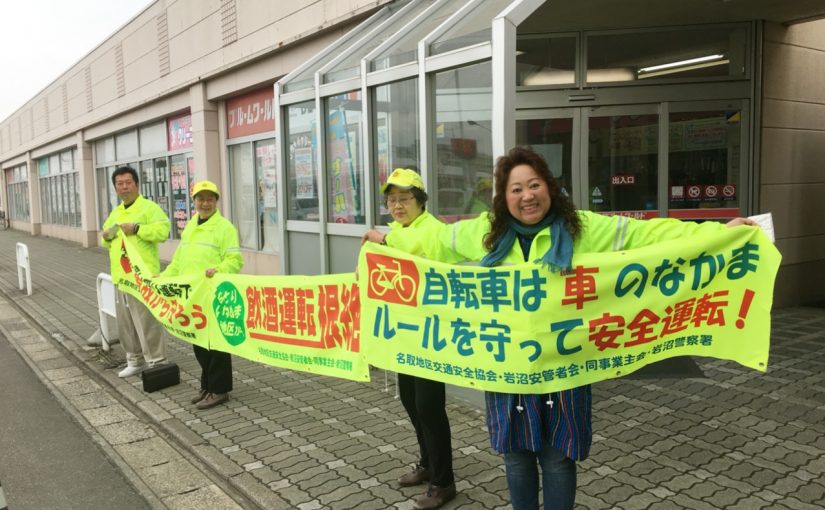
{"x": 179, "y": 192}
{"x": 342, "y": 176}
{"x": 304, "y": 180}
{"x": 267, "y": 172}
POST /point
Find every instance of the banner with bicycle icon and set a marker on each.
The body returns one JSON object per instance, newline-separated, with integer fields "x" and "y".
{"x": 523, "y": 329}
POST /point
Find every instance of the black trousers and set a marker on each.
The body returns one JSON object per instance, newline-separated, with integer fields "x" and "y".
{"x": 216, "y": 370}
{"x": 424, "y": 401}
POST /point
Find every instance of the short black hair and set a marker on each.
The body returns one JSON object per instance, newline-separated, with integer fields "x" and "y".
{"x": 125, "y": 170}
{"x": 419, "y": 194}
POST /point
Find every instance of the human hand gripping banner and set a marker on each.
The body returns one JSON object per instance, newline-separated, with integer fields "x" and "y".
{"x": 306, "y": 323}
{"x": 522, "y": 329}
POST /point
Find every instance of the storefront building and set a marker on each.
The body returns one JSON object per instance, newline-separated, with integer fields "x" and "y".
{"x": 694, "y": 111}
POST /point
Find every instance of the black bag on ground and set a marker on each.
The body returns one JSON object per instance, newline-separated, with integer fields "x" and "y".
{"x": 160, "y": 377}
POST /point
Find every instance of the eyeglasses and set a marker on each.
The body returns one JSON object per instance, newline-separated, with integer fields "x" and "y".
{"x": 393, "y": 201}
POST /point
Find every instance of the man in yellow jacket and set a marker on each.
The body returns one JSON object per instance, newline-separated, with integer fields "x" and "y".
{"x": 208, "y": 245}
{"x": 140, "y": 334}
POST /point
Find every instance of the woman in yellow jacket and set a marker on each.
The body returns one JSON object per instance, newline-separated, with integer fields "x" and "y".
{"x": 423, "y": 399}
{"x": 208, "y": 245}
{"x": 532, "y": 220}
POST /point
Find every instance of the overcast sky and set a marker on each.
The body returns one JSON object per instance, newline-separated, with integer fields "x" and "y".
{"x": 40, "y": 39}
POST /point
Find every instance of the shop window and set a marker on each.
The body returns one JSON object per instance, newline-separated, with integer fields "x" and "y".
{"x": 59, "y": 197}
{"x": 668, "y": 54}
{"x": 126, "y": 145}
{"x": 463, "y": 139}
{"x": 395, "y": 138}
{"x": 302, "y": 170}
{"x": 343, "y": 158}
{"x": 152, "y": 139}
{"x": 254, "y": 185}
{"x": 545, "y": 61}
{"x": 704, "y": 161}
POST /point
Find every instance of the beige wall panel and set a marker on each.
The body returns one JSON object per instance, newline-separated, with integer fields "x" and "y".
{"x": 141, "y": 72}
{"x": 58, "y": 232}
{"x": 141, "y": 40}
{"x": 76, "y": 86}
{"x": 797, "y": 209}
{"x": 24, "y": 119}
{"x": 793, "y": 284}
{"x": 335, "y": 9}
{"x": 103, "y": 67}
{"x": 104, "y": 92}
{"x": 253, "y": 15}
{"x": 792, "y": 156}
{"x": 198, "y": 42}
{"x": 777, "y": 113}
{"x": 269, "y": 69}
{"x": 810, "y": 35}
{"x": 77, "y": 107}
{"x": 799, "y": 250}
{"x": 805, "y": 65}
{"x": 182, "y": 15}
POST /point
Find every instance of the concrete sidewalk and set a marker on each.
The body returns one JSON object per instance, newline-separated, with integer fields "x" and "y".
{"x": 737, "y": 439}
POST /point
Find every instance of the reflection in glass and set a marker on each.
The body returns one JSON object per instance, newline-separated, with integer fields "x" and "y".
{"x": 162, "y": 181}
{"x": 553, "y": 139}
{"x": 267, "y": 175}
{"x": 405, "y": 49}
{"x": 623, "y": 163}
{"x": 667, "y": 54}
{"x": 542, "y": 60}
{"x": 474, "y": 28}
{"x": 343, "y": 158}
{"x": 463, "y": 139}
{"x": 396, "y": 135}
{"x": 350, "y": 67}
{"x": 704, "y": 160}
{"x": 244, "y": 194}
{"x": 302, "y": 170}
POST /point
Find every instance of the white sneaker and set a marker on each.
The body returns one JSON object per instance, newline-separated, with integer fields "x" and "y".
{"x": 132, "y": 370}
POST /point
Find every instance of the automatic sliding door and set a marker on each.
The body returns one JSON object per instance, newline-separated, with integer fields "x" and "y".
{"x": 622, "y": 154}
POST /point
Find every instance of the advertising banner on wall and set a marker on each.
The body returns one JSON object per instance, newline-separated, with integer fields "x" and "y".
{"x": 251, "y": 113}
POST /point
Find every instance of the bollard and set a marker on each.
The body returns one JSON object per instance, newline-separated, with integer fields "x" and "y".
{"x": 23, "y": 265}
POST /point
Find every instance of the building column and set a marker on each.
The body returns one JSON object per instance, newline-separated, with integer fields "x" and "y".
{"x": 88, "y": 197}
{"x": 36, "y": 221}
{"x": 206, "y": 140}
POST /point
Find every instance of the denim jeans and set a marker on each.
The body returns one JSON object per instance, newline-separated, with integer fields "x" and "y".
{"x": 558, "y": 474}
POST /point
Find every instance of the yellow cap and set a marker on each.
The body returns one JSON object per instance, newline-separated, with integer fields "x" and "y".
{"x": 403, "y": 178}
{"x": 205, "y": 186}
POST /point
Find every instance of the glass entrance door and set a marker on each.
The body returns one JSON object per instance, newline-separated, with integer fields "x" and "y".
{"x": 685, "y": 160}
{"x": 622, "y": 160}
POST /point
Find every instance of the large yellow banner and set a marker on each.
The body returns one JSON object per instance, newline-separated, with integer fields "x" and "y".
{"x": 307, "y": 323}
{"x": 516, "y": 329}
{"x": 522, "y": 329}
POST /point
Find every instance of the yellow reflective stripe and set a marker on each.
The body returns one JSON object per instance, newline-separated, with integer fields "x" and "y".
{"x": 455, "y": 249}
{"x": 233, "y": 249}
{"x": 213, "y": 246}
{"x": 620, "y": 234}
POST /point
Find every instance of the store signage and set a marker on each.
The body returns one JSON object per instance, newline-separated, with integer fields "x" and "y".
{"x": 622, "y": 180}
{"x": 695, "y": 192}
{"x": 179, "y": 131}
{"x": 677, "y": 192}
{"x": 729, "y": 191}
{"x": 251, "y": 113}
{"x": 711, "y": 191}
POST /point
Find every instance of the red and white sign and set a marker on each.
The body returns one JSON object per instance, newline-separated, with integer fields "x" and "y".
{"x": 729, "y": 190}
{"x": 623, "y": 180}
{"x": 695, "y": 191}
{"x": 179, "y": 131}
{"x": 711, "y": 191}
{"x": 251, "y": 113}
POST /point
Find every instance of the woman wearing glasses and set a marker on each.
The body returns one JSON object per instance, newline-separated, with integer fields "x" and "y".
{"x": 423, "y": 399}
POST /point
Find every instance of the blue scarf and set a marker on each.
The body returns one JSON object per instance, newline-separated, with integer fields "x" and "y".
{"x": 559, "y": 256}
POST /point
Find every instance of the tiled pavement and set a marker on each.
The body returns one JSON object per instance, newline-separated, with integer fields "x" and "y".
{"x": 736, "y": 439}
